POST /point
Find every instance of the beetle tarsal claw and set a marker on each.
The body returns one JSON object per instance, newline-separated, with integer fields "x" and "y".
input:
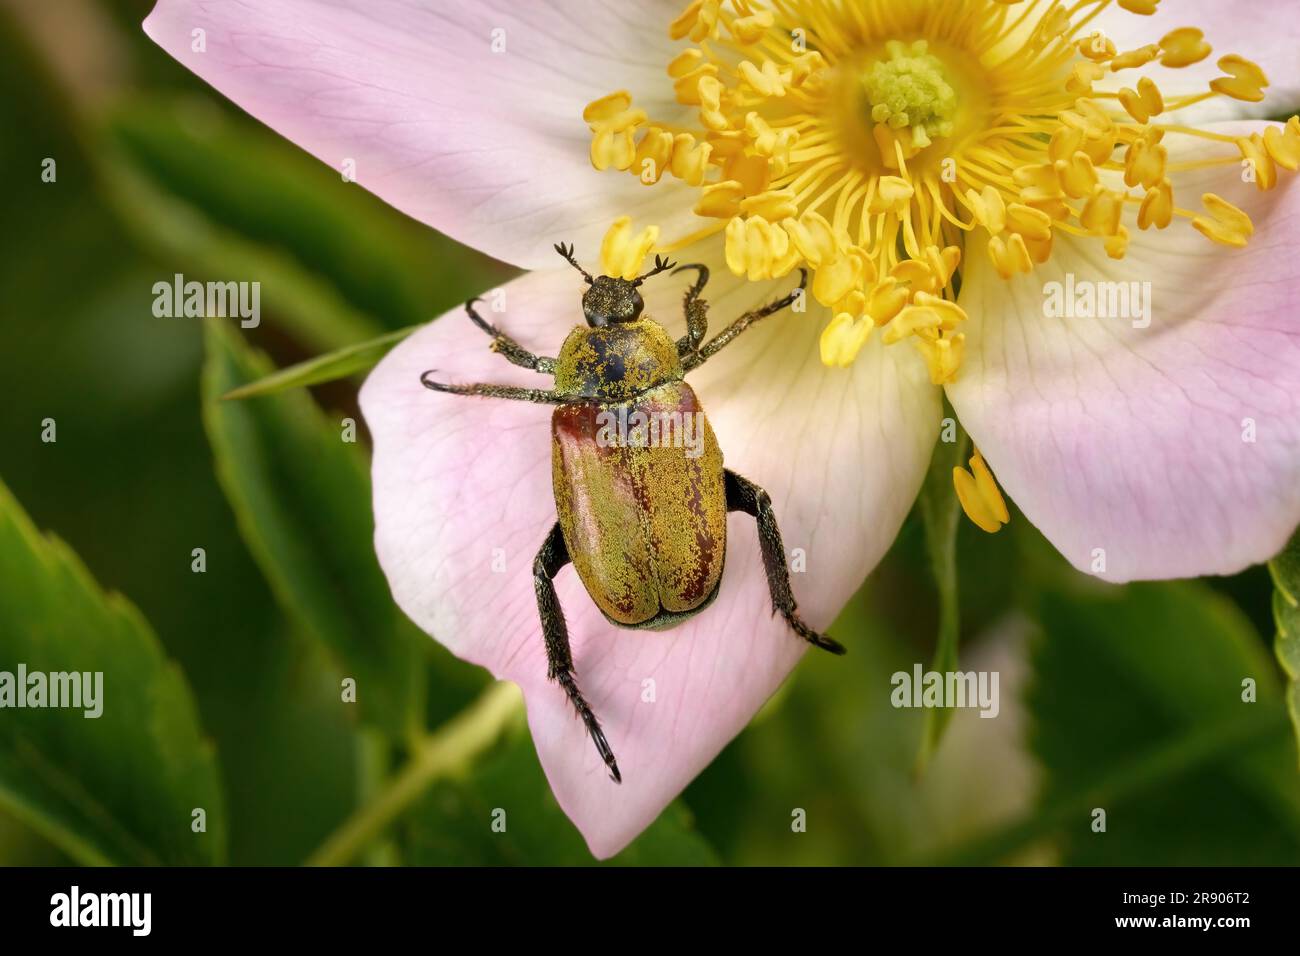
{"x": 702, "y": 278}
{"x": 832, "y": 645}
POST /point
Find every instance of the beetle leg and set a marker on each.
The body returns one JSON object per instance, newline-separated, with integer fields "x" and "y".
{"x": 696, "y": 311}
{"x": 744, "y": 495}
{"x": 555, "y": 632}
{"x": 538, "y": 396}
{"x": 509, "y": 349}
{"x": 723, "y": 338}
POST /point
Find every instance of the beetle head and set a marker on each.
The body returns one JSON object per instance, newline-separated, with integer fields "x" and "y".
{"x": 611, "y": 299}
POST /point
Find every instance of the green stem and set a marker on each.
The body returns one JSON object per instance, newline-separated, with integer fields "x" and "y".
{"x": 1285, "y": 569}
{"x": 1161, "y": 763}
{"x": 442, "y": 753}
{"x": 941, "y": 515}
{"x": 375, "y": 758}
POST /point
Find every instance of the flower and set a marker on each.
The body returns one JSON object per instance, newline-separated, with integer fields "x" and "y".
{"x": 1165, "y": 449}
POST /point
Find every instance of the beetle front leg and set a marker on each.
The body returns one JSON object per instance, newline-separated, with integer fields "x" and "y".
{"x": 725, "y": 337}
{"x": 555, "y": 632}
{"x": 539, "y": 396}
{"x": 507, "y": 347}
{"x": 696, "y": 311}
{"x": 744, "y": 495}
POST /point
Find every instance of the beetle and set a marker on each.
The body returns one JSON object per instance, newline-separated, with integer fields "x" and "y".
{"x": 643, "y": 523}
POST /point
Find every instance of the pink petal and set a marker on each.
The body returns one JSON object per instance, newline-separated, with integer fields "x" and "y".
{"x": 1131, "y": 439}
{"x": 842, "y": 454}
{"x": 487, "y": 147}
{"x": 1264, "y": 31}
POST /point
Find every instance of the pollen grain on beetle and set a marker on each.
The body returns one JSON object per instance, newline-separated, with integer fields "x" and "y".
{"x": 871, "y": 141}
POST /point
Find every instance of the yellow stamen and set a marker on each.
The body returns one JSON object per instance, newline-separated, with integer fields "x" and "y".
{"x": 1142, "y": 7}
{"x": 979, "y": 495}
{"x": 1245, "y": 81}
{"x": 1157, "y": 207}
{"x": 1284, "y": 144}
{"x": 1096, "y": 46}
{"x": 1183, "y": 47}
{"x": 1226, "y": 224}
{"x": 843, "y": 339}
{"x": 1010, "y": 257}
{"x": 622, "y": 252}
{"x": 942, "y": 356}
{"x": 1143, "y": 103}
{"x": 1254, "y": 152}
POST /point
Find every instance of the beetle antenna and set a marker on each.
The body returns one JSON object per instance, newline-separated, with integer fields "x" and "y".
{"x": 567, "y": 253}
{"x": 661, "y": 265}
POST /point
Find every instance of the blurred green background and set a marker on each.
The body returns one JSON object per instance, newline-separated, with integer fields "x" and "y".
{"x": 1126, "y": 699}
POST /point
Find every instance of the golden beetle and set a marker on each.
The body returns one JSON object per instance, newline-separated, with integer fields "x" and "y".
{"x": 644, "y": 524}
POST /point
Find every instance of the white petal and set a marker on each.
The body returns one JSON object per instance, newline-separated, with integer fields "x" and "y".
{"x": 485, "y": 144}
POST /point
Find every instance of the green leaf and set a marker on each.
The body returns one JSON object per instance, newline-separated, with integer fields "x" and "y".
{"x": 323, "y": 368}
{"x": 237, "y": 201}
{"x": 454, "y": 822}
{"x": 941, "y": 517}
{"x": 292, "y": 298}
{"x": 119, "y": 788}
{"x": 301, "y": 495}
{"x": 1286, "y": 611}
{"x": 1138, "y": 709}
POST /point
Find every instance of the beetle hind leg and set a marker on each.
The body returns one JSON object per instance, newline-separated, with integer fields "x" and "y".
{"x": 744, "y": 495}
{"x": 555, "y": 632}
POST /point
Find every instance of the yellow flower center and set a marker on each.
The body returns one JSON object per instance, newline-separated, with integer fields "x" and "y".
{"x": 871, "y": 140}
{"x": 909, "y": 88}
